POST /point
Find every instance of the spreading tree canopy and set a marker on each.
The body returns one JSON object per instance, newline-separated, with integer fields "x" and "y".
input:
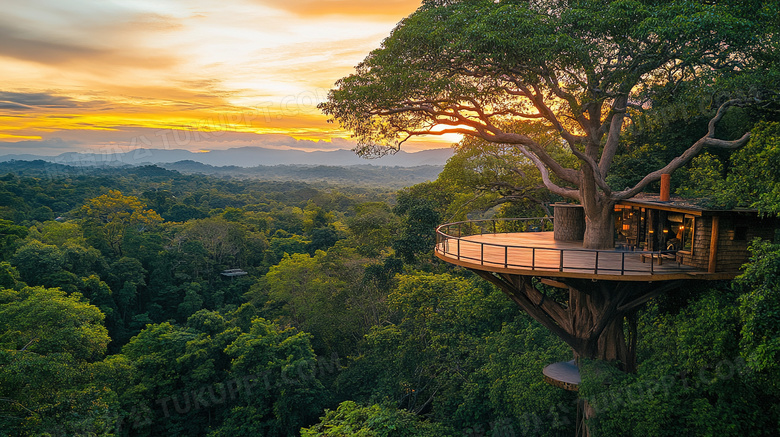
{"x": 578, "y": 68}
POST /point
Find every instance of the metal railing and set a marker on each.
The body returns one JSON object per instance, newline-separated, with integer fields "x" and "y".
{"x": 451, "y": 241}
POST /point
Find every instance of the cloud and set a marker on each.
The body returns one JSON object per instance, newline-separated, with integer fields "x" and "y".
{"x": 396, "y": 8}
{"x": 35, "y": 100}
{"x": 125, "y": 139}
{"x": 51, "y": 32}
{"x": 48, "y": 52}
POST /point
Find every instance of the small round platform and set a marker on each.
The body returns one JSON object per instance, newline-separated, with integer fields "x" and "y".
{"x": 565, "y": 375}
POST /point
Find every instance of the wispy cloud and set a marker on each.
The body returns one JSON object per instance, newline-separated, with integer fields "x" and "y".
{"x": 35, "y": 100}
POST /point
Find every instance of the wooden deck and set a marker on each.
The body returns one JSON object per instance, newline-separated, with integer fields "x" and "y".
{"x": 565, "y": 375}
{"x": 538, "y": 254}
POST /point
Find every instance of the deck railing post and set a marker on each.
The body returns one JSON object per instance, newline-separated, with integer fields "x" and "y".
{"x": 458, "y": 248}
{"x": 482, "y": 253}
{"x": 560, "y": 269}
{"x": 506, "y": 257}
{"x": 622, "y": 263}
{"x": 494, "y": 226}
{"x": 651, "y": 262}
{"x": 533, "y": 258}
{"x": 596, "y": 267}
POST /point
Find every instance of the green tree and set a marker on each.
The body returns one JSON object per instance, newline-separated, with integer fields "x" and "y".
{"x": 284, "y": 243}
{"x": 692, "y": 380}
{"x": 481, "y": 68}
{"x": 281, "y": 365}
{"x": 10, "y": 237}
{"x": 350, "y": 419}
{"x": 35, "y": 261}
{"x": 227, "y": 244}
{"x": 481, "y": 175}
{"x": 372, "y": 227}
{"x": 320, "y": 294}
{"x": 759, "y": 308}
{"x": 752, "y": 179}
{"x": 220, "y": 374}
{"x": 9, "y": 276}
{"x": 458, "y": 353}
{"x": 112, "y": 214}
{"x": 418, "y": 228}
{"x": 49, "y": 347}
{"x": 46, "y": 321}
{"x": 127, "y": 276}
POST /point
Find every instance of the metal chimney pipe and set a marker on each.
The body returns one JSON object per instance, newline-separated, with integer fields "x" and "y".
{"x": 666, "y": 183}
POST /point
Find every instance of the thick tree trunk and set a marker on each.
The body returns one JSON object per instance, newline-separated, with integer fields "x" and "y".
{"x": 597, "y": 324}
{"x": 599, "y": 226}
{"x": 588, "y": 413}
{"x": 592, "y": 321}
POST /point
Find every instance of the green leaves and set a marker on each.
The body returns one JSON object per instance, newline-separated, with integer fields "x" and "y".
{"x": 760, "y": 309}
{"x": 752, "y": 176}
{"x": 459, "y": 351}
{"x": 47, "y": 321}
{"x": 756, "y": 170}
{"x": 113, "y": 213}
{"x": 351, "y": 419}
{"x": 48, "y": 345}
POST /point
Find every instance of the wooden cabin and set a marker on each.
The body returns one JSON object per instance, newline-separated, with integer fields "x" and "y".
{"x": 706, "y": 239}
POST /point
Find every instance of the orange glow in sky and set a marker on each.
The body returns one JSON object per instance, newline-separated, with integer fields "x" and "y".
{"x": 81, "y": 75}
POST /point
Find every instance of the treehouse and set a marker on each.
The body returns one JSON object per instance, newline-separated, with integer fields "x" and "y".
{"x": 654, "y": 241}
{"x": 659, "y": 245}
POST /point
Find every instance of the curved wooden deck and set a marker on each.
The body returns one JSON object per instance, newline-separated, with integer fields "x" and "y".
{"x": 538, "y": 254}
{"x": 565, "y": 375}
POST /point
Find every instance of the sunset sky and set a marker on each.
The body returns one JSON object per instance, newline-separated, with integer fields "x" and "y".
{"x": 97, "y": 75}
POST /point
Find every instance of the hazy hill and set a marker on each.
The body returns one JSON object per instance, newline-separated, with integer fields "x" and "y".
{"x": 355, "y": 175}
{"x": 241, "y": 157}
{"x": 389, "y": 177}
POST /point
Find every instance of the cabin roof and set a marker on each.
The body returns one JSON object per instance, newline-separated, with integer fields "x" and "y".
{"x": 680, "y": 205}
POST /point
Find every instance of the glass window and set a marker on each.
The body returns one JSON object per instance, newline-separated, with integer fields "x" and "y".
{"x": 685, "y": 233}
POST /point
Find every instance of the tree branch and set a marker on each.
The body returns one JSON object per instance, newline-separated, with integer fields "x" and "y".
{"x": 647, "y": 295}
{"x": 566, "y": 192}
{"x": 522, "y": 299}
{"x": 690, "y": 153}
{"x": 617, "y": 114}
{"x": 519, "y": 140}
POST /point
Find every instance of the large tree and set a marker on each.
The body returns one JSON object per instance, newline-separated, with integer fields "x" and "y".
{"x": 582, "y": 68}
{"x": 113, "y": 214}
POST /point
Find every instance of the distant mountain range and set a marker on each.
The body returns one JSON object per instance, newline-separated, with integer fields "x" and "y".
{"x": 241, "y": 157}
{"x": 392, "y": 178}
